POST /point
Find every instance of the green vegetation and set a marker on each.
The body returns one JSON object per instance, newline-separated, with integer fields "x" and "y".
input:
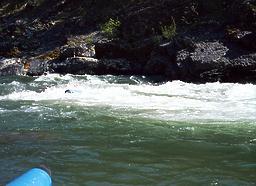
{"x": 169, "y": 31}
{"x": 89, "y": 40}
{"x": 253, "y": 7}
{"x": 111, "y": 28}
{"x": 157, "y": 39}
{"x": 46, "y": 24}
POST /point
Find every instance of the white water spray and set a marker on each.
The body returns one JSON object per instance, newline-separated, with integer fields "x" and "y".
{"x": 170, "y": 101}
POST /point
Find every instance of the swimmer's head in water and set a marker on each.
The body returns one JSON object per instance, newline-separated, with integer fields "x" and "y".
{"x": 68, "y": 91}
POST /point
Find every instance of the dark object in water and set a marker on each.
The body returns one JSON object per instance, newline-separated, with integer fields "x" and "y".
{"x": 68, "y": 91}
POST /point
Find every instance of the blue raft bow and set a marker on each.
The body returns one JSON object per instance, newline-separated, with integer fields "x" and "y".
{"x": 33, "y": 177}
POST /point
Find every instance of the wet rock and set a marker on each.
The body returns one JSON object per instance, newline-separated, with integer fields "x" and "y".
{"x": 199, "y": 52}
{"x": 247, "y": 40}
{"x": 157, "y": 65}
{"x": 37, "y": 67}
{"x": 121, "y": 49}
{"x": 159, "y": 60}
{"x": 76, "y": 51}
{"x": 12, "y": 66}
{"x": 205, "y": 57}
{"x": 119, "y": 67}
{"x": 75, "y": 65}
{"x": 85, "y": 65}
{"x": 110, "y": 49}
{"x": 162, "y": 60}
{"x": 242, "y": 69}
{"x": 208, "y": 54}
{"x": 245, "y": 62}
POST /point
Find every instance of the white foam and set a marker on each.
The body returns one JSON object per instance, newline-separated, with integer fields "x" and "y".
{"x": 53, "y": 77}
{"x": 35, "y": 108}
{"x": 172, "y": 101}
{"x": 2, "y": 110}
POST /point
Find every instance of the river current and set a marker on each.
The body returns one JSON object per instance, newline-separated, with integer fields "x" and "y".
{"x": 128, "y": 131}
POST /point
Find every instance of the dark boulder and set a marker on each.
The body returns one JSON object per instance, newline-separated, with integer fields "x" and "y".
{"x": 5, "y": 48}
{"x": 158, "y": 61}
{"x": 205, "y": 57}
{"x": 248, "y": 41}
{"x": 85, "y": 65}
{"x": 140, "y": 52}
{"x": 157, "y": 65}
{"x": 36, "y": 67}
{"x": 162, "y": 61}
{"x": 75, "y": 65}
{"x": 244, "y": 39}
{"x": 119, "y": 67}
{"x": 242, "y": 69}
{"x": 110, "y": 49}
{"x": 12, "y": 66}
{"x": 76, "y": 51}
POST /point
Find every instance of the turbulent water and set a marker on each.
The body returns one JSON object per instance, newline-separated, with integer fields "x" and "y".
{"x": 128, "y": 131}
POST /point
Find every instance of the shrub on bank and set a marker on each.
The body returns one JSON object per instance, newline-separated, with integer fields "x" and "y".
{"x": 111, "y": 28}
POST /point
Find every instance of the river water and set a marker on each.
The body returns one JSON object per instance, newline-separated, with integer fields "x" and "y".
{"x": 128, "y": 131}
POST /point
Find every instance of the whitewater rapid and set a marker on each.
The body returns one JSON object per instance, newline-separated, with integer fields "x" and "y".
{"x": 169, "y": 101}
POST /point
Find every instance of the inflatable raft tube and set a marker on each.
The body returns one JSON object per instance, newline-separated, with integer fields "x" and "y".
{"x": 33, "y": 177}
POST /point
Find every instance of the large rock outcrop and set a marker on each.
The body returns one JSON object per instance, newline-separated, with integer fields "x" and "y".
{"x": 195, "y": 60}
{"x": 12, "y": 66}
{"x": 204, "y": 57}
{"x": 35, "y": 67}
{"x": 192, "y": 40}
{"x": 241, "y": 69}
{"x": 87, "y": 65}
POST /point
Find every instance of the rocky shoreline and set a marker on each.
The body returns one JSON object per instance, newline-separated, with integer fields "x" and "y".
{"x": 206, "y": 51}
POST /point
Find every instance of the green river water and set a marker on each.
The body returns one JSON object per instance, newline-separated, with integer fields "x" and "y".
{"x": 128, "y": 131}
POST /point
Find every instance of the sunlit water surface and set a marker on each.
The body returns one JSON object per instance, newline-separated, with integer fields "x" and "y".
{"x": 128, "y": 131}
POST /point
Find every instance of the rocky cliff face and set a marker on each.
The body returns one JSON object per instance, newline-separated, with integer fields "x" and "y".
{"x": 189, "y": 40}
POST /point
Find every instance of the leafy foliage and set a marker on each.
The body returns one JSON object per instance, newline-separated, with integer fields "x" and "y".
{"x": 169, "y": 31}
{"x": 111, "y": 28}
{"x": 89, "y": 40}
